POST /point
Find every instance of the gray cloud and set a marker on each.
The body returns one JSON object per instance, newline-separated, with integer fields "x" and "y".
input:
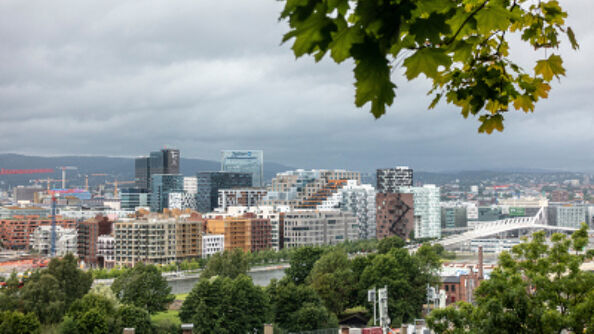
{"x": 126, "y": 77}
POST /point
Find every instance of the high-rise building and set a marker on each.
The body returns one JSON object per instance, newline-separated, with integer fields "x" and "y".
{"x": 161, "y": 186}
{"x": 190, "y": 184}
{"x": 132, "y": 198}
{"x": 390, "y": 179}
{"x": 307, "y": 189}
{"x": 142, "y": 173}
{"x": 427, "y": 207}
{"x": 244, "y": 161}
{"x": 209, "y": 184}
{"x": 165, "y": 161}
{"x": 394, "y": 215}
{"x": 567, "y": 215}
{"x": 182, "y": 201}
{"x": 240, "y": 197}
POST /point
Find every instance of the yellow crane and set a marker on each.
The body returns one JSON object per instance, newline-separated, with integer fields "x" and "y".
{"x": 115, "y": 185}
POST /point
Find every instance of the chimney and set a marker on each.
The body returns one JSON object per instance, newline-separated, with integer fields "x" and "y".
{"x": 187, "y": 328}
{"x": 268, "y": 329}
{"x": 480, "y": 264}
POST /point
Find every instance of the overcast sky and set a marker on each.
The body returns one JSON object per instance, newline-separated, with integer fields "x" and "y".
{"x": 122, "y": 78}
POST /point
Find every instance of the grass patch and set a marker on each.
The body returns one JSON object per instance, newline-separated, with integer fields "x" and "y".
{"x": 170, "y": 316}
{"x": 181, "y": 296}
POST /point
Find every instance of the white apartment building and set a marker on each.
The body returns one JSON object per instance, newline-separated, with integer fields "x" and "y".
{"x": 106, "y": 250}
{"x": 427, "y": 208}
{"x": 182, "y": 201}
{"x": 66, "y": 240}
{"x": 212, "y": 244}
{"x": 191, "y": 184}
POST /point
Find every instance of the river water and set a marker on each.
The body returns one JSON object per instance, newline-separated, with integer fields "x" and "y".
{"x": 261, "y": 278}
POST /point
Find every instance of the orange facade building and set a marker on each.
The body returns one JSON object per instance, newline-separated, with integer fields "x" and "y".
{"x": 248, "y": 232}
{"x": 15, "y": 231}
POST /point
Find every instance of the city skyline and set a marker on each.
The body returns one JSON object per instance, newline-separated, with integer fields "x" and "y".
{"x": 102, "y": 80}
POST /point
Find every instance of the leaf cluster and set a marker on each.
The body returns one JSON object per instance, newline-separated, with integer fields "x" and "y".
{"x": 461, "y": 46}
{"x": 537, "y": 288}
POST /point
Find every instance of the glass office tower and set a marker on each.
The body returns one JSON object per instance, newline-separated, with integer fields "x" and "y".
{"x": 244, "y": 161}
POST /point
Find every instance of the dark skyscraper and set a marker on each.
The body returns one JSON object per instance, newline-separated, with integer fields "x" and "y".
{"x": 389, "y": 180}
{"x": 142, "y": 173}
{"x": 209, "y": 184}
{"x": 165, "y": 161}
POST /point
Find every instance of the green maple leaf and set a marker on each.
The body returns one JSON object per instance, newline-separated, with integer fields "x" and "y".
{"x": 343, "y": 41}
{"x": 426, "y": 60}
{"x": 309, "y": 34}
{"x": 552, "y": 66}
{"x": 372, "y": 75}
{"x": 492, "y": 18}
{"x": 430, "y": 28}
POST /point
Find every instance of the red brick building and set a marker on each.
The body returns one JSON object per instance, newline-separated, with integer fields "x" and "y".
{"x": 394, "y": 215}
{"x": 15, "y": 231}
{"x": 88, "y": 232}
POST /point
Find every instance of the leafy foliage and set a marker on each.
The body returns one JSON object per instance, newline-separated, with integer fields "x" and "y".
{"x": 460, "y": 45}
{"x": 228, "y": 264}
{"x": 298, "y": 307}
{"x": 302, "y": 261}
{"x": 73, "y": 282}
{"x": 144, "y": 287}
{"x": 43, "y": 297}
{"x": 333, "y": 280}
{"x": 536, "y": 288}
{"x": 225, "y": 305}
{"x": 405, "y": 276}
{"x": 14, "y": 322}
{"x": 387, "y": 244}
{"x": 130, "y": 316}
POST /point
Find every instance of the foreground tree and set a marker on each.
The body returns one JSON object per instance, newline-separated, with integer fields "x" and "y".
{"x": 144, "y": 287}
{"x": 536, "y": 288}
{"x": 227, "y": 264}
{"x": 302, "y": 261}
{"x": 43, "y": 296}
{"x": 14, "y": 322}
{"x": 298, "y": 307}
{"x": 73, "y": 282}
{"x": 405, "y": 276}
{"x": 460, "y": 45}
{"x": 333, "y": 279}
{"x": 224, "y": 305}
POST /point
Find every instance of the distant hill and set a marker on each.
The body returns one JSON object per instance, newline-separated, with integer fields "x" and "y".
{"x": 121, "y": 169}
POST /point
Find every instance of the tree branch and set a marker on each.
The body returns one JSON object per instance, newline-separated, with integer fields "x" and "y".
{"x": 453, "y": 38}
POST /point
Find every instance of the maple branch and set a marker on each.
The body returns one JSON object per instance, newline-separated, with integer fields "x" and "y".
{"x": 453, "y": 38}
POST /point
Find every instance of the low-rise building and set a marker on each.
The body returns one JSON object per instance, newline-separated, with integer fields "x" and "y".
{"x": 15, "y": 231}
{"x": 247, "y": 232}
{"x": 149, "y": 240}
{"x": 315, "y": 228}
{"x": 212, "y": 244}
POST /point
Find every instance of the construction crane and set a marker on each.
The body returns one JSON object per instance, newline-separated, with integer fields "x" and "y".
{"x": 64, "y": 169}
{"x": 25, "y": 171}
{"x": 87, "y": 179}
{"x": 48, "y": 182}
{"x": 115, "y": 185}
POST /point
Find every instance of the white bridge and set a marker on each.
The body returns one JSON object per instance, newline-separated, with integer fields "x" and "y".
{"x": 484, "y": 229}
